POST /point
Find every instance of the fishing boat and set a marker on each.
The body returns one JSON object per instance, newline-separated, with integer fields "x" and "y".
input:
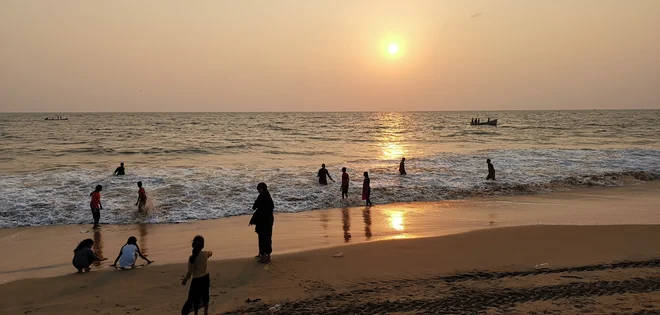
{"x": 485, "y": 123}
{"x": 56, "y": 118}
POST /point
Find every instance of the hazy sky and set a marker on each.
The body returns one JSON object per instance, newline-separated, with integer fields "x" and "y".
{"x": 313, "y": 55}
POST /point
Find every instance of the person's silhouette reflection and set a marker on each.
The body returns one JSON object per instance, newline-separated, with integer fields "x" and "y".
{"x": 98, "y": 246}
{"x": 346, "y": 224}
{"x": 366, "y": 215}
{"x": 143, "y": 238}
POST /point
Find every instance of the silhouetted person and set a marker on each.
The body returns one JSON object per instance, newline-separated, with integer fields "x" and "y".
{"x": 491, "y": 171}
{"x": 142, "y": 197}
{"x": 84, "y": 256}
{"x": 96, "y": 205}
{"x": 402, "y": 167}
{"x": 488, "y": 118}
{"x": 366, "y": 189}
{"x": 477, "y": 120}
{"x": 344, "y": 183}
{"x": 262, "y": 219}
{"x": 120, "y": 170}
{"x": 323, "y": 172}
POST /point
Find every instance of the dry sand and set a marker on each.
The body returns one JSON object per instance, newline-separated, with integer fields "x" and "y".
{"x": 481, "y": 271}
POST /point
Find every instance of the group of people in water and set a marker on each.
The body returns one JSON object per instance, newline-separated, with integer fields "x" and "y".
{"x": 95, "y": 203}
{"x": 345, "y": 180}
{"x": 262, "y": 219}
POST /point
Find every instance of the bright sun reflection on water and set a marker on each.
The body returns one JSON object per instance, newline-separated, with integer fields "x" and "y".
{"x": 396, "y": 220}
{"x": 391, "y": 139}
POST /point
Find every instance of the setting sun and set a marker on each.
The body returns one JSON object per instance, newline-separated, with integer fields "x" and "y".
{"x": 393, "y": 48}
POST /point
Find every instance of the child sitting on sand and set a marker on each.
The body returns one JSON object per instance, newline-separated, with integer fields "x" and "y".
{"x": 128, "y": 254}
{"x": 84, "y": 256}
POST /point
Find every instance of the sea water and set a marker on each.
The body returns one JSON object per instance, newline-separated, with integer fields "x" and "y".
{"x": 198, "y": 166}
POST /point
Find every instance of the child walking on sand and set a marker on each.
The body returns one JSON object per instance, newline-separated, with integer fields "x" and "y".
{"x": 201, "y": 282}
{"x": 84, "y": 256}
{"x": 128, "y": 254}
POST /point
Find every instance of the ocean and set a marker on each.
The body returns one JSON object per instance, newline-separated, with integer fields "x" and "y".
{"x": 198, "y": 166}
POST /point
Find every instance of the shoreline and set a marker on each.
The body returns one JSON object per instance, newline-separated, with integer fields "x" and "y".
{"x": 588, "y": 263}
{"x": 51, "y": 246}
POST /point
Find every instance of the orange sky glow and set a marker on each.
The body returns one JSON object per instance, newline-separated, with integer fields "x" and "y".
{"x": 300, "y": 55}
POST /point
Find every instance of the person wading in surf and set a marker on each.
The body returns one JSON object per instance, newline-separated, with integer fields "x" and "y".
{"x": 323, "y": 172}
{"x": 491, "y": 171}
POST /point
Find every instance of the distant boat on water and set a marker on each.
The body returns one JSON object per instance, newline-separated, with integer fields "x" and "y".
{"x": 484, "y": 123}
{"x": 56, "y": 118}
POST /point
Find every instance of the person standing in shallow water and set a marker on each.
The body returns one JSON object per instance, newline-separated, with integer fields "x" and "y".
{"x": 201, "y": 281}
{"x": 120, "y": 170}
{"x": 402, "y": 167}
{"x": 344, "y": 183}
{"x": 263, "y": 219}
{"x": 366, "y": 189}
{"x": 491, "y": 171}
{"x": 323, "y": 172}
{"x": 96, "y": 205}
{"x": 142, "y": 198}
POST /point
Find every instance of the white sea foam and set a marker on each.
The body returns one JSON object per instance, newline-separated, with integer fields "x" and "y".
{"x": 187, "y": 194}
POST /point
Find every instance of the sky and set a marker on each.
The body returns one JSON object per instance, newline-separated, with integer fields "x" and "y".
{"x": 328, "y": 55}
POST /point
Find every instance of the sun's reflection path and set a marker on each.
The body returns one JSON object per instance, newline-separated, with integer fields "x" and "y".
{"x": 391, "y": 140}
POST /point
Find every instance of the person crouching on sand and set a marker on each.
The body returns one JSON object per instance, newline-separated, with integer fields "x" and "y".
{"x": 201, "y": 282}
{"x": 84, "y": 256}
{"x": 262, "y": 219}
{"x": 128, "y": 254}
{"x": 142, "y": 198}
{"x": 96, "y": 205}
{"x": 366, "y": 189}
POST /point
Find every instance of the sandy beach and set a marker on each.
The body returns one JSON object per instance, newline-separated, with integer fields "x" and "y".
{"x": 466, "y": 256}
{"x": 601, "y": 269}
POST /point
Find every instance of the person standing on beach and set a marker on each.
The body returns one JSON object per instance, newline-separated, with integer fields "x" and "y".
{"x": 366, "y": 189}
{"x": 263, "y": 219}
{"x": 128, "y": 254}
{"x": 142, "y": 197}
{"x": 323, "y": 172}
{"x": 120, "y": 170}
{"x": 201, "y": 281}
{"x": 491, "y": 171}
{"x": 84, "y": 256}
{"x": 344, "y": 183}
{"x": 402, "y": 167}
{"x": 96, "y": 205}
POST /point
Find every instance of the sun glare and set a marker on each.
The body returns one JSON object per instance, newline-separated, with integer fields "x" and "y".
{"x": 393, "y": 48}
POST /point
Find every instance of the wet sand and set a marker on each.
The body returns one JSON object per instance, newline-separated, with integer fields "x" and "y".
{"x": 599, "y": 269}
{"x": 47, "y": 251}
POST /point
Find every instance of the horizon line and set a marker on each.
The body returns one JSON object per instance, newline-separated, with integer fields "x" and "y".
{"x": 333, "y": 111}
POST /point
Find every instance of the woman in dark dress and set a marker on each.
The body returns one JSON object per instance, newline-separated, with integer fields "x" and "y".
{"x": 366, "y": 189}
{"x": 262, "y": 219}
